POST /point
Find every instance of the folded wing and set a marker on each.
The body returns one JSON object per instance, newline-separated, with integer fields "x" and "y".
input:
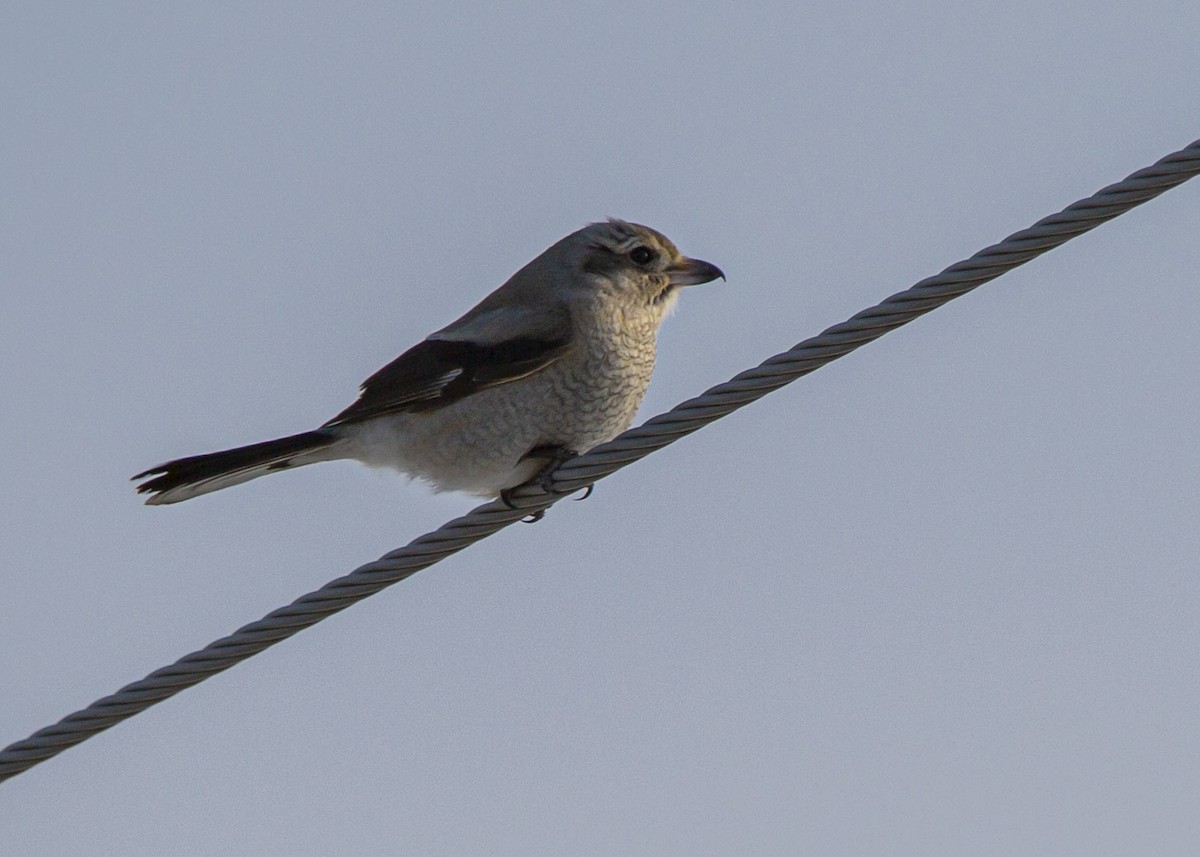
{"x": 480, "y": 350}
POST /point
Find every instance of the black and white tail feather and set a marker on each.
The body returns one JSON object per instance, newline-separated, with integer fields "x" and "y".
{"x": 189, "y": 477}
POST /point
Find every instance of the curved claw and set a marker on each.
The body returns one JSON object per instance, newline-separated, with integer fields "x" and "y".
{"x": 531, "y": 518}
{"x": 587, "y": 492}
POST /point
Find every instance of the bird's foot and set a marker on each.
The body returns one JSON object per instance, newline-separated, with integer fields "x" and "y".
{"x": 531, "y": 518}
{"x": 554, "y": 455}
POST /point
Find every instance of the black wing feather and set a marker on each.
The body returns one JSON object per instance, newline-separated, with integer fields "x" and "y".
{"x": 436, "y": 372}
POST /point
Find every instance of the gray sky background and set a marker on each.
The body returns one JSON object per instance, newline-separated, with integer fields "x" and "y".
{"x": 940, "y": 597}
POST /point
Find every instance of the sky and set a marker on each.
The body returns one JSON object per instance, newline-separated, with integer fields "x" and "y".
{"x": 939, "y": 597}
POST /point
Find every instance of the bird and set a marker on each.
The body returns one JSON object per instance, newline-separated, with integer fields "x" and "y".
{"x": 549, "y": 365}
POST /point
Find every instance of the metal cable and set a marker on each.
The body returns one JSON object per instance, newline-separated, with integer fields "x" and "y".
{"x": 685, "y": 418}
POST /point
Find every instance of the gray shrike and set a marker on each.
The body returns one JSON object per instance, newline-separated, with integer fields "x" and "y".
{"x": 549, "y": 365}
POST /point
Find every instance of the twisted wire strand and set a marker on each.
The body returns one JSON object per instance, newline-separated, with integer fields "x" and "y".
{"x": 577, "y": 473}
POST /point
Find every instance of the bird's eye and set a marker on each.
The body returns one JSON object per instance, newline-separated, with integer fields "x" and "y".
{"x": 641, "y": 255}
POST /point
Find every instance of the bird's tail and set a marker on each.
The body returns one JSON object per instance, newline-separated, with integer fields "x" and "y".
{"x": 185, "y": 478}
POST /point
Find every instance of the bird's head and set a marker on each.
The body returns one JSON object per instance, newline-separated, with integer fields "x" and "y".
{"x": 635, "y": 262}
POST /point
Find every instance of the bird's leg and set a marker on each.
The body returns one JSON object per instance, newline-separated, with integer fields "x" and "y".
{"x": 554, "y": 455}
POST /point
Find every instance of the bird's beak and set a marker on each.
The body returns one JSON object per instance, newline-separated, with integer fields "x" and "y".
{"x": 692, "y": 272}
